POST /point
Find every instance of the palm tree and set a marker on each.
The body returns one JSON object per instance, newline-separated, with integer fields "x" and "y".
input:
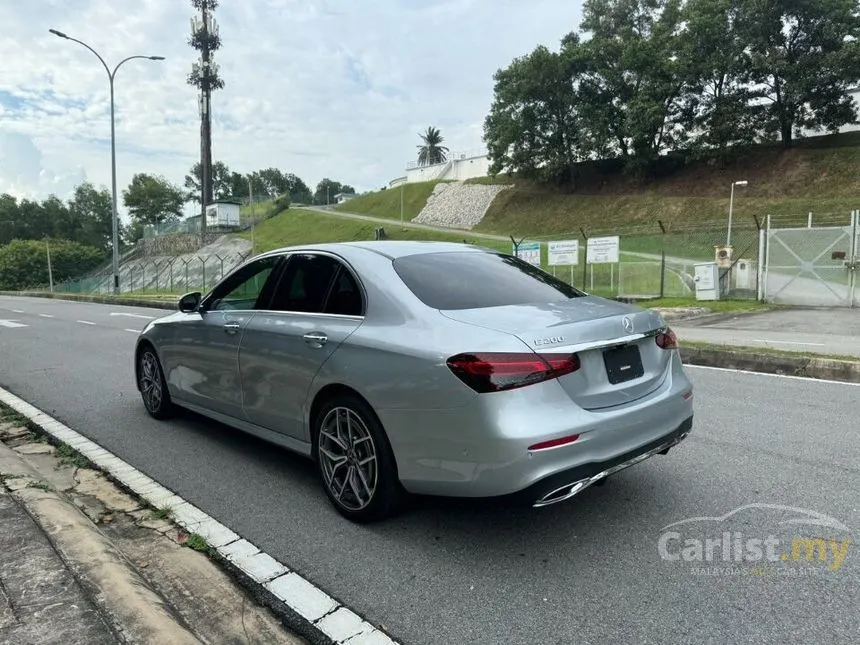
{"x": 431, "y": 152}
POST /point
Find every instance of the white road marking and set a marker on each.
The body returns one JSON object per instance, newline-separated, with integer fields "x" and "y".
{"x": 315, "y": 607}
{"x": 133, "y": 331}
{"x": 786, "y": 376}
{"x": 46, "y": 315}
{"x": 86, "y": 322}
{"x": 11, "y": 324}
{"x": 17, "y": 311}
{"x": 787, "y": 342}
{"x": 135, "y": 316}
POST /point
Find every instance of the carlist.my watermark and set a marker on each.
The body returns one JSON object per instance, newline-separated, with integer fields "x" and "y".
{"x": 804, "y": 543}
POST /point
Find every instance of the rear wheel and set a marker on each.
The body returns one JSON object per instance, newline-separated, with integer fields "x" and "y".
{"x": 355, "y": 461}
{"x": 152, "y": 386}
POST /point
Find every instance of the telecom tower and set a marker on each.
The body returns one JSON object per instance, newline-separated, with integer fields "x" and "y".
{"x": 204, "y": 76}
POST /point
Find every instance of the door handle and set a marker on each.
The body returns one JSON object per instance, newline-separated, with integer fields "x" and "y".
{"x": 315, "y": 338}
{"x": 231, "y": 327}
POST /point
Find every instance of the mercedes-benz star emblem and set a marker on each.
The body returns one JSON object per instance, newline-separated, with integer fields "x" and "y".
{"x": 628, "y": 324}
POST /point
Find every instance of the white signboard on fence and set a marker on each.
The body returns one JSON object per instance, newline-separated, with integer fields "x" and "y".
{"x": 563, "y": 253}
{"x": 603, "y": 250}
{"x": 529, "y": 251}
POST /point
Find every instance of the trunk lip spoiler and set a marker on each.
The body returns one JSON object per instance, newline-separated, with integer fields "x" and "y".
{"x": 575, "y": 348}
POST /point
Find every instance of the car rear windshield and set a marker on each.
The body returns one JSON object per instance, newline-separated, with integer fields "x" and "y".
{"x": 469, "y": 280}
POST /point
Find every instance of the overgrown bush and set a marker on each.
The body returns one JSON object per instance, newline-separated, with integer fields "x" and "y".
{"x": 282, "y": 203}
{"x": 24, "y": 263}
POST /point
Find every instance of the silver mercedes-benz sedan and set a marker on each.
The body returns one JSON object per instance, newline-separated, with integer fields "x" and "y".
{"x": 422, "y": 367}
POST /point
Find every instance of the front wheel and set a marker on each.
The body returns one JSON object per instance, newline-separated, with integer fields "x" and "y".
{"x": 355, "y": 461}
{"x": 152, "y": 386}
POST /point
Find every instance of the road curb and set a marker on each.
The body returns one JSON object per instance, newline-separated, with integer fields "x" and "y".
{"x": 126, "y": 602}
{"x": 101, "y": 300}
{"x": 303, "y": 607}
{"x": 828, "y": 369}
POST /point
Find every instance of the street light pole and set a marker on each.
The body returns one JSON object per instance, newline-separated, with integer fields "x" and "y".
{"x": 731, "y": 206}
{"x": 114, "y": 209}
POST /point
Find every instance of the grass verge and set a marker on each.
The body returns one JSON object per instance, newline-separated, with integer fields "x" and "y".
{"x": 295, "y": 227}
{"x": 715, "y": 306}
{"x": 386, "y": 203}
{"x": 767, "y": 351}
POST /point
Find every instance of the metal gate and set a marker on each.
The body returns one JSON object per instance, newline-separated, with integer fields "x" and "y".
{"x": 813, "y": 266}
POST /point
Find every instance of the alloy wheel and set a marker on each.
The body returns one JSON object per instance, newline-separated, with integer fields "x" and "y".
{"x": 348, "y": 458}
{"x": 151, "y": 387}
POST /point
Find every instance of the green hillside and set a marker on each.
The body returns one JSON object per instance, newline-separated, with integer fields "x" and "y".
{"x": 820, "y": 175}
{"x": 293, "y": 227}
{"x": 386, "y": 203}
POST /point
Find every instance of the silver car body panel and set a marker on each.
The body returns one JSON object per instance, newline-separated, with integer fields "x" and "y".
{"x": 264, "y": 377}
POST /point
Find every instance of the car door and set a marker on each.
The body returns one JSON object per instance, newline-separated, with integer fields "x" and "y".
{"x": 205, "y": 366}
{"x": 316, "y": 305}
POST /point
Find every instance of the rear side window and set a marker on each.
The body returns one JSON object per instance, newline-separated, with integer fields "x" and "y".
{"x": 469, "y": 280}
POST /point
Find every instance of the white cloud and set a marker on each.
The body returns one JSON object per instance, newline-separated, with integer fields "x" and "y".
{"x": 333, "y": 88}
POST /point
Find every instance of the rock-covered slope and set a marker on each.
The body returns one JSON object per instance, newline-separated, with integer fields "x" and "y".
{"x": 458, "y": 205}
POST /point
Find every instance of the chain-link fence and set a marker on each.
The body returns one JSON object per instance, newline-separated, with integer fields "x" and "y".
{"x": 159, "y": 275}
{"x": 651, "y": 260}
{"x": 654, "y": 260}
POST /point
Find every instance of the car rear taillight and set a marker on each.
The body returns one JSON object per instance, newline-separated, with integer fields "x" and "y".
{"x": 667, "y": 340}
{"x": 493, "y": 372}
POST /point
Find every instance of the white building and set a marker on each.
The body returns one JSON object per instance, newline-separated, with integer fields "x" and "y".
{"x": 458, "y": 167}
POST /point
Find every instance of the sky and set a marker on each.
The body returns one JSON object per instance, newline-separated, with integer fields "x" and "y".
{"x": 319, "y": 88}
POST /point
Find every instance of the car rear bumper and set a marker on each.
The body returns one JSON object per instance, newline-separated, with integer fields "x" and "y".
{"x": 569, "y": 483}
{"x": 485, "y": 450}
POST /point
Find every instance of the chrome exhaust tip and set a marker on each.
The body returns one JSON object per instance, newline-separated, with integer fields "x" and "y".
{"x": 567, "y": 491}
{"x": 563, "y": 493}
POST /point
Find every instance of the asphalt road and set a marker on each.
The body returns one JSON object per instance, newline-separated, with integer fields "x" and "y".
{"x": 820, "y": 331}
{"x": 588, "y": 571}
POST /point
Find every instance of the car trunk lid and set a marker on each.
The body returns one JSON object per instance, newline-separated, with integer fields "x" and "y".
{"x": 620, "y": 359}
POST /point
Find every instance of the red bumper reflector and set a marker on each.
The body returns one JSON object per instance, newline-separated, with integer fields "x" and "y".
{"x": 553, "y": 443}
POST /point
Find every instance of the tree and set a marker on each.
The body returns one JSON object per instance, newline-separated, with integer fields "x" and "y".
{"x": 222, "y": 182}
{"x": 327, "y": 189}
{"x": 804, "y": 57}
{"x": 633, "y": 86}
{"x": 238, "y": 186}
{"x": 533, "y": 127}
{"x": 721, "y": 109}
{"x": 152, "y": 200}
{"x": 431, "y": 151}
{"x": 90, "y": 217}
{"x": 24, "y": 263}
{"x": 299, "y": 191}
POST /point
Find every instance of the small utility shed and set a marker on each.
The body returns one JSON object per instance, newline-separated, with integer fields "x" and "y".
{"x": 223, "y": 213}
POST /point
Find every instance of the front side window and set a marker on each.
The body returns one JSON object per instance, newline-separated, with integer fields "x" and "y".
{"x": 469, "y": 280}
{"x": 242, "y": 291}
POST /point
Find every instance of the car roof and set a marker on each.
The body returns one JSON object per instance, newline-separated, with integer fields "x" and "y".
{"x": 392, "y": 249}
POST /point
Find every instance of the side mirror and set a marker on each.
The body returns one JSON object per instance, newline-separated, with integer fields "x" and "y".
{"x": 189, "y": 302}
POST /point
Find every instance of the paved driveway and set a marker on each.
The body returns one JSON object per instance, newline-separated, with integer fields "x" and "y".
{"x": 826, "y": 331}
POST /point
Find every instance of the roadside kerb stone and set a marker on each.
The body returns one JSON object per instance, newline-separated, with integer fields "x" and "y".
{"x": 215, "y": 533}
{"x": 375, "y": 637}
{"x": 237, "y": 550}
{"x": 342, "y": 624}
{"x": 261, "y": 567}
{"x": 101, "y": 300}
{"x": 751, "y": 361}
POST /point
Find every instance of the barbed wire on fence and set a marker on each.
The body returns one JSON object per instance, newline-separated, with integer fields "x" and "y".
{"x": 656, "y": 259}
{"x": 175, "y": 275}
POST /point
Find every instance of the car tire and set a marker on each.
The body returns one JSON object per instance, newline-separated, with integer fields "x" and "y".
{"x": 358, "y": 470}
{"x": 152, "y": 385}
